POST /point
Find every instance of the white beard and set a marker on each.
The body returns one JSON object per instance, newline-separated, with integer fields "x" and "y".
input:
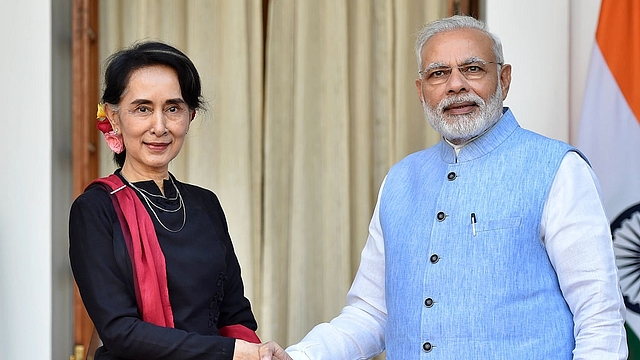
{"x": 463, "y": 128}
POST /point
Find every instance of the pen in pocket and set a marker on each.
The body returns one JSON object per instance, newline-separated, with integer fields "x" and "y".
{"x": 473, "y": 223}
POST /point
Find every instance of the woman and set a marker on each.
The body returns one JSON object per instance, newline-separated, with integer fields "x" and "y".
{"x": 151, "y": 255}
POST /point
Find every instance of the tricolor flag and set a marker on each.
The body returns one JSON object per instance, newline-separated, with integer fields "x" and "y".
{"x": 610, "y": 137}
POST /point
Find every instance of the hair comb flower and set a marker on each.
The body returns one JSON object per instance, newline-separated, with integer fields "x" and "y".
{"x": 113, "y": 139}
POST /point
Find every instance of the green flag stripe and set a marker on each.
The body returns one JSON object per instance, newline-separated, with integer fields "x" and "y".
{"x": 634, "y": 344}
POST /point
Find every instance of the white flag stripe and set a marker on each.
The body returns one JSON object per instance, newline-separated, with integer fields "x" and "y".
{"x": 610, "y": 137}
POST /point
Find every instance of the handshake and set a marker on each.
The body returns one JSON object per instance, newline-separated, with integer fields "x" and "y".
{"x": 266, "y": 351}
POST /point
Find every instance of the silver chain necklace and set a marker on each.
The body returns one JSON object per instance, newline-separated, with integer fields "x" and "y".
{"x": 151, "y": 204}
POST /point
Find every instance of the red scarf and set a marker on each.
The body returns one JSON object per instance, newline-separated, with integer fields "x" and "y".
{"x": 147, "y": 259}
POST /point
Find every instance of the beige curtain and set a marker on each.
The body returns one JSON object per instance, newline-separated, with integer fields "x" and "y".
{"x": 306, "y": 114}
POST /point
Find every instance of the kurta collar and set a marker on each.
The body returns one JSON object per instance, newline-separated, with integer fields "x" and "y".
{"x": 484, "y": 144}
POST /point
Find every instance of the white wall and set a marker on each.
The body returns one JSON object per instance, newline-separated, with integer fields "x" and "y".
{"x": 548, "y": 42}
{"x": 25, "y": 210}
{"x": 584, "y": 20}
{"x": 32, "y": 272}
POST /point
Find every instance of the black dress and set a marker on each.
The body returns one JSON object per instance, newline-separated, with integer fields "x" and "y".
{"x": 203, "y": 275}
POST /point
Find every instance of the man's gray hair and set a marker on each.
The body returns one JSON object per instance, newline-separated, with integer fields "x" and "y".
{"x": 453, "y": 23}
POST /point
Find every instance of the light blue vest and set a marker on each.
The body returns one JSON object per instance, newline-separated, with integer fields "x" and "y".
{"x": 487, "y": 290}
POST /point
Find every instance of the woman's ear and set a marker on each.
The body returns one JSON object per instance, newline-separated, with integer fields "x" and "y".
{"x": 112, "y": 115}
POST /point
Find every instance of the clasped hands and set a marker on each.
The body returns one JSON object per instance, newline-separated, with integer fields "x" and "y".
{"x": 266, "y": 351}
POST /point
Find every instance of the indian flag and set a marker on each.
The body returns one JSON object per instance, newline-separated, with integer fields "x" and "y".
{"x": 610, "y": 137}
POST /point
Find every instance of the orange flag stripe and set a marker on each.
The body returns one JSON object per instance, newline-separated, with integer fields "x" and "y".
{"x": 618, "y": 37}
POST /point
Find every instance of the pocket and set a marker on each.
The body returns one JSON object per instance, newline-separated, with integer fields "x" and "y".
{"x": 498, "y": 224}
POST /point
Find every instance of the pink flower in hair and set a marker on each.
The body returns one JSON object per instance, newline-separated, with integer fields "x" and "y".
{"x": 113, "y": 139}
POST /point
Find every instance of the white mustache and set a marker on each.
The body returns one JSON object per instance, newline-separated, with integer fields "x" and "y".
{"x": 446, "y": 102}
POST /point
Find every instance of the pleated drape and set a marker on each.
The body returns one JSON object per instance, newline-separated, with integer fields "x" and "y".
{"x": 305, "y": 115}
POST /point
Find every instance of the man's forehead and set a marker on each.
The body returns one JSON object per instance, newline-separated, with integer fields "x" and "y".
{"x": 459, "y": 46}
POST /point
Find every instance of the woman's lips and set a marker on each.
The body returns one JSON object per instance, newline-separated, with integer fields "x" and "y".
{"x": 155, "y": 146}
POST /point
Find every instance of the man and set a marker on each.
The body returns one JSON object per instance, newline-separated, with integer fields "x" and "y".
{"x": 492, "y": 244}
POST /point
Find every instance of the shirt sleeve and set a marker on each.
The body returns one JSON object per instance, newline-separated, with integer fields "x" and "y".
{"x": 575, "y": 231}
{"x": 358, "y": 332}
{"x": 106, "y": 287}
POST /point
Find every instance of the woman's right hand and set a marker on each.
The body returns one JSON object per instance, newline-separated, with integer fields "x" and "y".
{"x": 246, "y": 351}
{"x": 267, "y": 351}
{"x": 272, "y": 350}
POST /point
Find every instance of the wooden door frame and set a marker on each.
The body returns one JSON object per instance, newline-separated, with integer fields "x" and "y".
{"x": 85, "y": 70}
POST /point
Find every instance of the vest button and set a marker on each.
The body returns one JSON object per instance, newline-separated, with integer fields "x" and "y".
{"x": 427, "y": 346}
{"x": 434, "y": 258}
{"x": 441, "y": 216}
{"x": 451, "y": 176}
{"x": 428, "y": 302}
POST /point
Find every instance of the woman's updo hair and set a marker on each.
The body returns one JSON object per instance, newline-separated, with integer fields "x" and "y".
{"x": 121, "y": 64}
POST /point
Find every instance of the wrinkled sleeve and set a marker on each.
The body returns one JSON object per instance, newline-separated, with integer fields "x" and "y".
{"x": 576, "y": 234}
{"x": 358, "y": 332}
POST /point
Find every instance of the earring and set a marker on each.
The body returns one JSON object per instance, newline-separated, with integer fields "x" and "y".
{"x": 115, "y": 131}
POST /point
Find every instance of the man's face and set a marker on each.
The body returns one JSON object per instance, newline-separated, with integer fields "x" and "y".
{"x": 456, "y": 105}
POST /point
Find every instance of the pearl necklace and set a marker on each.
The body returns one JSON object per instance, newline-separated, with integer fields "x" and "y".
{"x": 145, "y": 195}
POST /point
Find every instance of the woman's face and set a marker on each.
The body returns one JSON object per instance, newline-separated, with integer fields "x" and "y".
{"x": 153, "y": 119}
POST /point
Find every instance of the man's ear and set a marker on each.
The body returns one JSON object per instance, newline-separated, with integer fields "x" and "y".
{"x": 419, "y": 90}
{"x": 505, "y": 78}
